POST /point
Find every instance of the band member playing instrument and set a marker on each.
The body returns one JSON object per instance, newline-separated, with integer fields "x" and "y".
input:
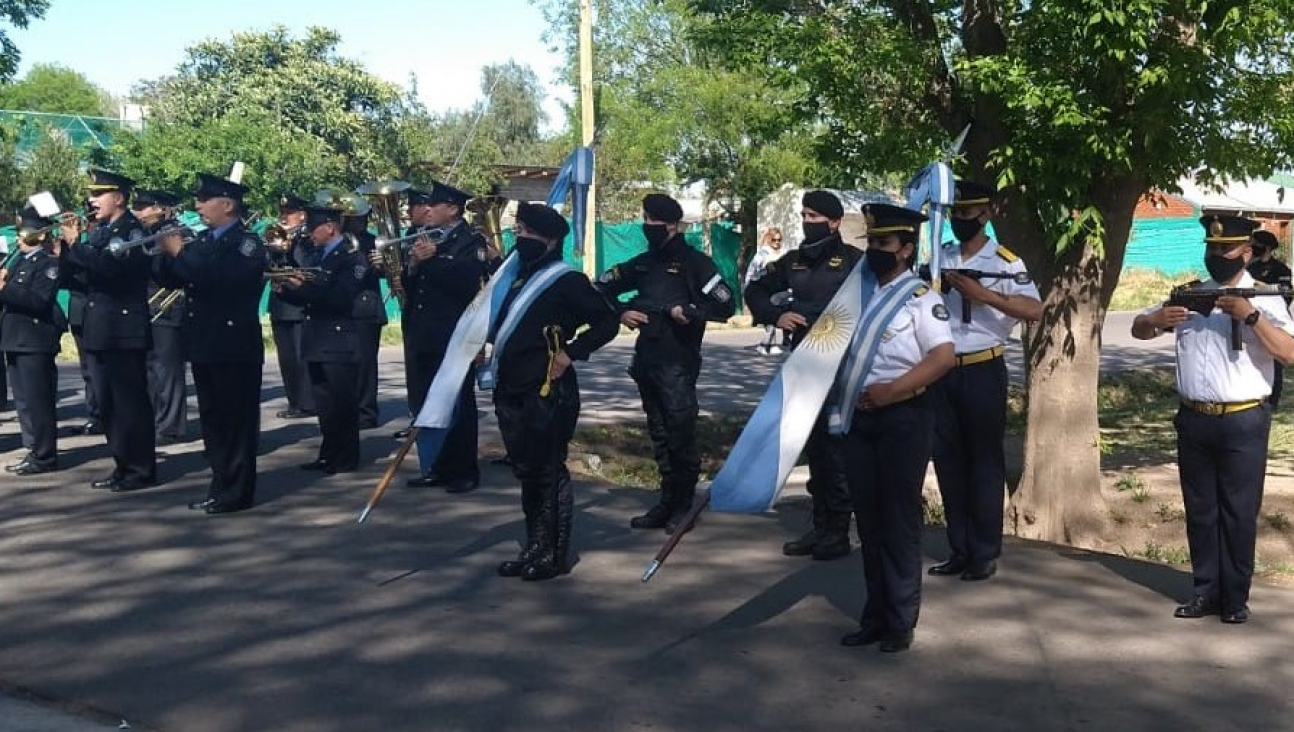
{"x": 74, "y": 281}
{"x": 30, "y": 327}
{"x": 537, "y": 397}
{"x": 329, "y": 341}
{"x": 677, "y": 289}
{"x": 369, "y": 315}
{"x": 445, "y": 271}
{"x": 117, "y": 334}
{"x": 286, "y": 246}
{"x": 166, "y": 372}
{"x": 223, "y": 277}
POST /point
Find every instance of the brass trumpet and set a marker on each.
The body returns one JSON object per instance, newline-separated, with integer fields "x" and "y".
{"x": 171, "y": 297}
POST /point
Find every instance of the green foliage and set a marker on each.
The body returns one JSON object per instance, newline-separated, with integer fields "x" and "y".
{"x": 671, "y": 112}
{"x": 56, "y": 89}
{"x": 18, "y": 13}
{"x": 54, "y": 165}
{"x": 300, "y": 115}
{"x": 1156, "y": 552}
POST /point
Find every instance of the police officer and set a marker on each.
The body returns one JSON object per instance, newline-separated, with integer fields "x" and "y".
{"x": 1224, "y": 418}
{"x": 285, "y": 318}
{"x": 166, "y": 371}
{"x": 445, "y": 271}
{"x": 117, "y": 334}
{"x": 537, "y": 397}
{"x": 969, "y": 456}
{"x": 329, "y": 341}
{"x": 1266, "y": 268}
{"x": 30, "y": 327}
{"x": 369, "y": 314}
{"x": 222, "y": 274}
{"x": 889, "y": 439}
{"x": 791, "y": 295}
{"x": 678, "y": 289}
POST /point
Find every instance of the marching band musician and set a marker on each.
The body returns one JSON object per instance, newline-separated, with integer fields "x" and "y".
{"x": 285, "y": 318}
{"x": 891, "y": 430}
{"x": 678, "y": 290}
{"x": 30, "y": 330}
{"x": 369, "y": 316}
{"x": 329, "y": 339}
{"x": 445, "y": 271}
{"x": 537, "y": 396}
{"x": 223, "y": 277}
{"x": 75, "y": 284}
{"x": 166, "y": 372}
{"x": 117, "y": 334}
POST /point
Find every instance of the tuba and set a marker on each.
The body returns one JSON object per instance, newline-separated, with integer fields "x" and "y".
{"x": 487, "y": 216}
{"x": 384, "y": 199}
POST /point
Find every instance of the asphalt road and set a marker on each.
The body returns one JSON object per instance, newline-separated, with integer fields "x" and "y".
{"x": 293, "y": 618}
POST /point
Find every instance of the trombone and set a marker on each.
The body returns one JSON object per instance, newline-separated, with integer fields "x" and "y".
{"x": 120, "y": 247}
{"x": 283, "y": 274}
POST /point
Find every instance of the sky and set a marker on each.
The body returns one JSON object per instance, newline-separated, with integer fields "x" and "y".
{"x": 445, "y": 42}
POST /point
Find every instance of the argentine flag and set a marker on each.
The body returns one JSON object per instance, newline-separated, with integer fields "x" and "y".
{"x": 767, "y": 448}
{"x": 473, "y": 329}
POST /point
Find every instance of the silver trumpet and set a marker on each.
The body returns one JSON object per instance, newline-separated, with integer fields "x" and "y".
{"x": 121, "y": 247}
{"x": 435, "y": 235}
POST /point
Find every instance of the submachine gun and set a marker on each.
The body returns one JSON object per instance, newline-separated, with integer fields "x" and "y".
{"x": 1203, "y": 300}
{"x": 1020, "y": 278}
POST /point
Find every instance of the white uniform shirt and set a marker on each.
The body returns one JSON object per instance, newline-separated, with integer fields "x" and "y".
{"x": 920, "y": 326}
{"x": 989, "y": 327}
{"x": 1208, "y": 370}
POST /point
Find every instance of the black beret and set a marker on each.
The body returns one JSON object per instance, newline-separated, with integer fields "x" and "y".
{"x": 970, "y": 193}
{"x": 825, "y": 203}
{"x": 543, "y": 220}
{"x": 1265, "y": 239}
{"x": 103, "y": 181}
{"x": 662, "y": 208}
{"x": 289, "y": 201}
{"x": 1227, "y": 229}
{"x": 319, "y": 215}
{"x": 145, "y": 198}
{"x": 883, "y": 219}
{"x": 439, "y": 193}
{"x": 213, "y": 186}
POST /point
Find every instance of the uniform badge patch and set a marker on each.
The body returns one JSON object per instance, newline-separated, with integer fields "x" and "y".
{"x": 52, "y": 273}
{"x": 722, "y": 293}
{"x": 940, "y": 311}
{"x": 359, "y": 271}
{"x": 248, "y": 248}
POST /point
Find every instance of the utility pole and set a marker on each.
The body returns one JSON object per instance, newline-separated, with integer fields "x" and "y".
{"x": 587, "y": 125}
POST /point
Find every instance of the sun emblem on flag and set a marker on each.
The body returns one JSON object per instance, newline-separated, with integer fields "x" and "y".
{"x": 832, "y": 330}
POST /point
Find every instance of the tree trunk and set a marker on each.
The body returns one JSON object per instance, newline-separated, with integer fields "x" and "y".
{"x": 1059, "y": 496}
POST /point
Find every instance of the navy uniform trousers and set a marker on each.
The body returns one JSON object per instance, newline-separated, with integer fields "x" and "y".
{"x": 120, "y": 378}
{"x": 970, "y": 461}
{"x": 1222, "y": 462}
{"x": 457, "y": 459}
{"x": 335, "y": 389}
{"x": 229, "y": 405}
{"x": 886, "y": 453}
{"x": 166, "y": 383}
{"x": 34, "y": 378}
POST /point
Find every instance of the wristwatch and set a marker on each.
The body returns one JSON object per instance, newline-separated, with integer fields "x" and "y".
{"x": 1252, "y": 319}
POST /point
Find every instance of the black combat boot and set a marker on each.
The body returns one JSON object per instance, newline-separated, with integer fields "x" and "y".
{"x": 833, "y": 543}
{"x": 657, "y": 516}
{"x": 803, "y": 546}
{"x": 679, "y": 508}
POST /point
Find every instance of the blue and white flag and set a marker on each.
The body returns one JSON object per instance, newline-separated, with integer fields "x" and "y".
{"x": 934, "y": 188}
{"x": 534, "y": 287}
{"x": 768, "y": 447}
{"x": 473, "y": 329}
{"x": 574, "y": 178}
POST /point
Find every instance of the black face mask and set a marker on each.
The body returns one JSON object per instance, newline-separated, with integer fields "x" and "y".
{"x": 814, "y": 233}
{"x": 530, "y": 249}
{"x": 656, "y": 235}
{"x": 1223, "y": 268}
{"x": 881, "y": 262}
{"x": 965, "y": 229}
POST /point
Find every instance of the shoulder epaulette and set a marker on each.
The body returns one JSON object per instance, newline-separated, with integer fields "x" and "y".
{"x": 1008, "y": 255}
{"x": 921, "y": 291}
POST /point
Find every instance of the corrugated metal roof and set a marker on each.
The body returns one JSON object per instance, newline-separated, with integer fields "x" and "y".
{"x": 1250, "y": 196}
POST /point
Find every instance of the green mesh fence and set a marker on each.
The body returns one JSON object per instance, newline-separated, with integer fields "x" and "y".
{"x": 81, "y": 131}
